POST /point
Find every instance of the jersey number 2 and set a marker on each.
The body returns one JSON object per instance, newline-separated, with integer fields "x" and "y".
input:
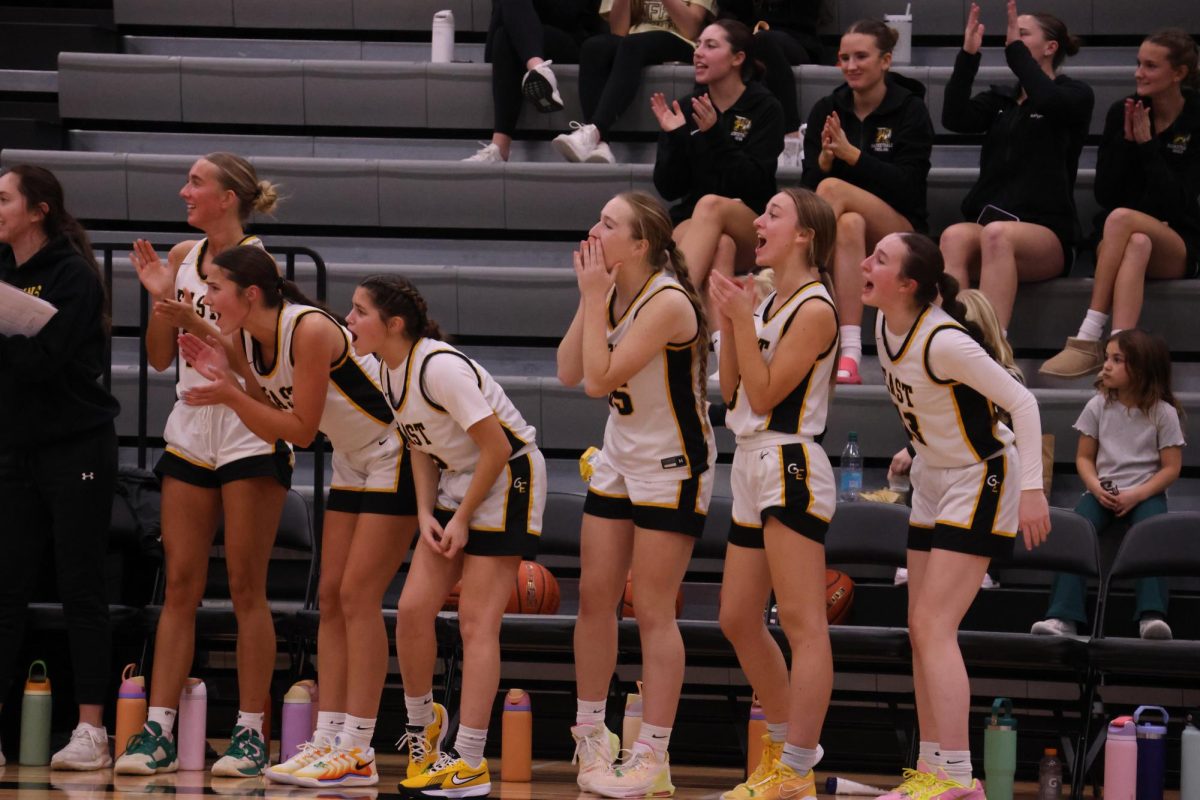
{"x": 912, "y": 426}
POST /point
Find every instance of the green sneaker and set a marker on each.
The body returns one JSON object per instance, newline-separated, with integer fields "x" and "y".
{"x": 148, "y": 752}
{"x": 245, "y": 757}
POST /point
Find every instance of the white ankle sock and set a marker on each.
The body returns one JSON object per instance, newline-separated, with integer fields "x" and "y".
{"x": 420, "y": 710}
{"x": 929, "y": 754}
{"x": 957, "y": 765}
{"x": 589, "y": 712}
{"x": 165, "y": 717}
{"x": 1093, "y": 326}
{"x": 358, "y": 732}
{"x": 777, "y": 730}
{"x": 469, "y": 744}
{"x": 851, "y": 342}
{"x": 1114, "y": 332}
{"x": 654, "y": 738}
{"x": 329, "y": 725}
{"x": 247, "y": 719}
{"x": 801, "y": 759}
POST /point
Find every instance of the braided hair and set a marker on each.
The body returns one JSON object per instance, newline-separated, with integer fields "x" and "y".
{"x": 395, "y": 296}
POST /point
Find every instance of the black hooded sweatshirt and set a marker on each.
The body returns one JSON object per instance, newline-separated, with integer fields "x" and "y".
{"x": 895, "y": 139}
{"x": 48, "y": 382}
{"x": 736, "y": 157}
{"x": 1161, "y": 177}
{"x": 1031, "y": 152}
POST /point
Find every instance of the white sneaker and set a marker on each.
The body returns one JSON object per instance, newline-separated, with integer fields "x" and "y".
{"x": 601, "y": 155}
{"x": 488, "y": 154}
{"x": 989, "y": 582}
{"x": 639, "y": 775}
{"x": 596, "y": 748}
{"x": 579, "y": 143}
{"x": 901, "y": 576}
{"x": 87, "y": 750}
{"x": 1053, "y": 627}
{"x": 1154, "y": 628}
{"x": 541, "y": 88}
{"x": 790, "y": 157}
{"x": 309, "y": 753}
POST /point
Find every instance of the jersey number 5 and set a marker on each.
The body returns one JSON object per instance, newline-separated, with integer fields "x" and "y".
{"x": 621, "y": 401}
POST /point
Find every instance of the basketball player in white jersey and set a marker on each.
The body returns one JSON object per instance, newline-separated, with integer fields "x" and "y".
{"x": 213, "y": 466}
{"x": 638, "y": 338}
{"x": 481, "y": 490}
{"x": 302, "y": 376}
{"x": 777, "y": 371}
{"x": 976, "y": 483}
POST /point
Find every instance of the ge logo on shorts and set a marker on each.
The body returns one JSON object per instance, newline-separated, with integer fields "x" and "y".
{"x": 796, "y": 471}
{"x": 993, "y": 482}
{"x": 520, "y": 485}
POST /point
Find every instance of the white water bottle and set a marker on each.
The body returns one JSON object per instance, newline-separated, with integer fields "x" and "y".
{"x": 443, "y": 38}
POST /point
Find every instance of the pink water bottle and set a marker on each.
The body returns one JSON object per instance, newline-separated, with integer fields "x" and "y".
{"x": 193, "y": 718}
{"x": 297, "y": 726}
{"x": 1120, "y": 760}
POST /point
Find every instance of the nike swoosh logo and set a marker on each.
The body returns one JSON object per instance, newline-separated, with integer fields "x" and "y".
{"x": 361, "y": 728}
{"x": 454, "y": 779}
{"x": 382, "y": 442}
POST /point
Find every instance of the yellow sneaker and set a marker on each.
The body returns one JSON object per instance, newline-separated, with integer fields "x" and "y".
{"x": 751, "y": 787}
{"x": 309, "y": 753}
{"x": 784, "y": 783}
{"x": 639, "y": 775}
{"x": 914, "y": 784}
{"x": 424, "y": 744}
{"x": 449, "y": 776}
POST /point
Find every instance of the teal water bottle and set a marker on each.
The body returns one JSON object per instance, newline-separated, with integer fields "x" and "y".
{"x": 1000, "y": 751}
{"x": 35, "y": 717}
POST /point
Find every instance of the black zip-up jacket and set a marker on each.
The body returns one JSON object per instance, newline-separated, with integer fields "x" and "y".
{"x": 1160, "y": 178}
{"x": 896, "y": 140}
{"x": 49, "y": 388}
{"x": 1031, "y": 152}
{"x": 736, "y": 157}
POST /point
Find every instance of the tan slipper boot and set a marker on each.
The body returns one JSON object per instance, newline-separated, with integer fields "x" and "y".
{"x": 1079, "y": 358}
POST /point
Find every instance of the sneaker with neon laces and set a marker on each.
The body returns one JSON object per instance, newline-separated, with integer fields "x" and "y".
{"x": 756, "y": 783}
{"x": 784, "y": 783}
{"x": 942, "y": 787}
{"x": 246, "y": 756}
{"x": 450, "y": 776}
{"x": 148, "y": 752}
{"x": 308, "y": 753}
{"x": 639, "y": 774}
{"x": 340, "y": 766}
{"x": 540, "y": 87}
{"x": 915, "y": 781}
{"x": 424, "y": 744}
{"x": 579, "y": 143}
{"x": 87, "y": 750}
{"x": 596, "y": 748}
{"x": 847, "y": 371}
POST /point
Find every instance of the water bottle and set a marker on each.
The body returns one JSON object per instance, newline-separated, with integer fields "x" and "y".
{"x": 190, "y": 725}
{"x": 631, "y": 726}
{"x": 1121, "y": 760}
{"x": 1000, "y": 751}
{"x": 1151, "y": 753}
{"x": 297, "y": 725}
{"x": 131, "y": 708}
{"x": 35, "y": 717}
{"x": 516, "y": 738}
{"x": 756, "y": 729}
{"x": 1050, "y": 775}
{"x": 851, "y": 470}
{"x": 1189, "y": 765}
{"x": 443, "y": 38}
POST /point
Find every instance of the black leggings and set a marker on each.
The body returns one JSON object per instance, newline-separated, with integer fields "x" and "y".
{"x": 779, "y": 51}
{"x": 610, "y": 70}
{"x": 62, "y": 492}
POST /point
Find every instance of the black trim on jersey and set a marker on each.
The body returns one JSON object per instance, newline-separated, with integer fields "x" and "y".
{"x": 681, "y": 389}
{"x": 425, "y": 366}
{"x": 204, "y": 251}
{"x": 613, "y": 322}
{"x": 907, "y": 337}
{"x": 255, "y": 350}
{"x": 385, "y": 378}
{"x": 680, "y": 289}
{"x": 337, "y": 362}
{"x": 770, "y": 302}
{"x": 978, "y": 421}
{"x": 515, "y": 442}
{"x": 360, "y": 390}
{"x": 785, "y": 417}
{"x": 929, "y": 342}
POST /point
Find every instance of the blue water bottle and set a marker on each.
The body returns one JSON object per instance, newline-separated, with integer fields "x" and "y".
{"x": 1151, "y": 753}
{"x": 851, "y": 471}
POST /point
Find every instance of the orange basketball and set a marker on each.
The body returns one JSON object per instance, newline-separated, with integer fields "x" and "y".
{"x": 627, "y": 602}
{"x": 535, "y": 591}
{"x": 451, "y": 603}
{"x": 839, "y": 596}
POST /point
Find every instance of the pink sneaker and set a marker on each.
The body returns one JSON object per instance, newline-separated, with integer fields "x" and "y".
{"x": 915, "y": 781}
{"x": 943, "y": 788}
{"x": 847, "y": 371}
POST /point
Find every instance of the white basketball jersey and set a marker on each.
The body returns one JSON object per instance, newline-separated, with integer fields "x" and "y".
{"x": 436, "y": 424}
{"x": 356, "y": 412}
{"x": 189, "y": 279}
{"x": 657, "y": 424}
{"x": 949, "y": 423}
{"x": 800, "y": 415}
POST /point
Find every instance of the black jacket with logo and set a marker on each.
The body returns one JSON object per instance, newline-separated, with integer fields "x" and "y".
{"x": 1031, "y": 151}
{"x": 1161, "y": 177}
{"x": 49, "y": 388}
{"x": 895, "y": 139}
{"x": 736, "y": 157}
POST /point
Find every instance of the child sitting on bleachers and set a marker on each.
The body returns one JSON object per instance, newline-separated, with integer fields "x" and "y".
{"x": 1130, "y": 451}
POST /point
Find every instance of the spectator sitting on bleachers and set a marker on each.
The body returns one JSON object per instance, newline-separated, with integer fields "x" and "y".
{"x": 876, "y": 187}
{"x": 643, "y": 32}
{"x": 1021, "y": 214}
{"x": 524, "y": 38}
{"x": 1130, "y": 450}
{"x": 717, "y": 152}
{"x": 785, "y": 36}
{"x": 1147, "y": 179}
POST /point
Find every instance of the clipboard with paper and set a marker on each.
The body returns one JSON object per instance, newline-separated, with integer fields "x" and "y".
{"x": 22, "y": 314}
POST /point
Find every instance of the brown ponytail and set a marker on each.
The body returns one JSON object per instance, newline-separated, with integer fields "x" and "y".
{"x": 924, "y": 264}
{"x": 395, "y": 296}
{"x": 247, "y": 265}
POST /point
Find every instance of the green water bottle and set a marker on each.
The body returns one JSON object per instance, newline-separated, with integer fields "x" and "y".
{"x": 35, "y": 717}
{"x": 1000, "y": 751}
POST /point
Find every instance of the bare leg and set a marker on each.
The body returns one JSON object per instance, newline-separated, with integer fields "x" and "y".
{"x": 487, "y": 585}
{"x": 660, "y": 560}
{"x": 1012, "y": 253}
{"x": 606, "y": 550}
{"x": 960, "y": 249}
{"x": 430, "y": 578}
{"x": 745, "y": 589}
{"x": 1152, "y": 251}
{"x": 332, "y": 647}
{"x": 713, "y": 217}
{"x": 918, "y": 561}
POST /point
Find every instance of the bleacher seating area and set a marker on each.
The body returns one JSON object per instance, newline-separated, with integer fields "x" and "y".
{"x": 336, "y": 101}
